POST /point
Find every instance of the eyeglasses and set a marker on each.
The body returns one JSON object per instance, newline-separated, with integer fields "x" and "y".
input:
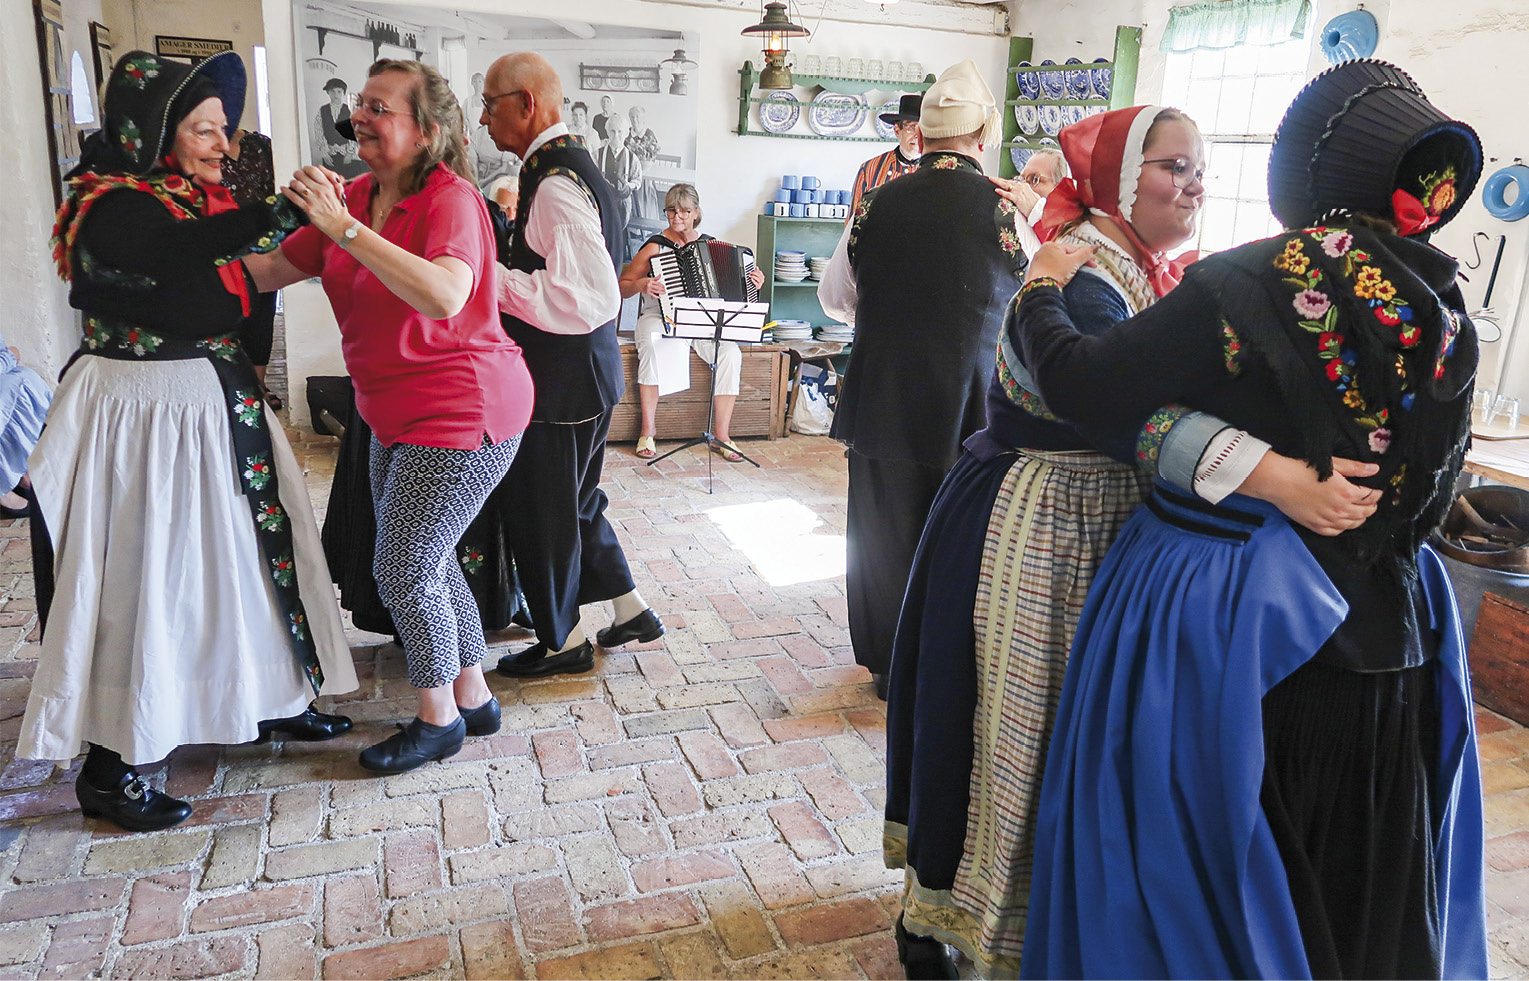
{"x": 1183, "y": 171}
{"x": 1036, "y": 180}
{"x": 679, "y": 211}
{"x": 489, "y": 100}
{"x": 375, "y": 107}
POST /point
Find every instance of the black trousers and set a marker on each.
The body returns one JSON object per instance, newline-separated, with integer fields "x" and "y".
{"x": 1348, "y": 777}
{"x": 553, "y": 509}
{"x": 889, "y": 500}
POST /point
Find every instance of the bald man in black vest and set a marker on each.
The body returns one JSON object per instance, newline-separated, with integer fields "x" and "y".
{"x": 559, "y": 301}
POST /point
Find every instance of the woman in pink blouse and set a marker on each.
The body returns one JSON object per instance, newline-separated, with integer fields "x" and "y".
{"x": 406, "y": 257}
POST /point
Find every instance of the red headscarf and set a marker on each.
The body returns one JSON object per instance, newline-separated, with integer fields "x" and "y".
{"x": 1105, "y": 153}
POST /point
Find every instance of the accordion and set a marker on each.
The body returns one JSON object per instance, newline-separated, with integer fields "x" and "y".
{"x": 705, "y": 270}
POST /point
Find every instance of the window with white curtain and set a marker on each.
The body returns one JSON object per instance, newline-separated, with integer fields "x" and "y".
{"x": 1237, "y": 95}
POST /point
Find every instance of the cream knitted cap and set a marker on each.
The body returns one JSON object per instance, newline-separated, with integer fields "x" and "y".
{"x": 958, "y": 103}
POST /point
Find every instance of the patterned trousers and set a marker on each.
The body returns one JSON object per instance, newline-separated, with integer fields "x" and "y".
{"x": 425, "y": 497}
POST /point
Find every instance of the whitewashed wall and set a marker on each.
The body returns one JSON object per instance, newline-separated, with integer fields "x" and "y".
{"x": 38, "y": 319}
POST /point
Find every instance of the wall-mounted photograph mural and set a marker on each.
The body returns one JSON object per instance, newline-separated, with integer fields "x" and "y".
{"x": 626, "y": 89}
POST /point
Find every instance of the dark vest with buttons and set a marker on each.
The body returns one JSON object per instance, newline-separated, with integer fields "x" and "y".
{"x": 936, "y": 261}
{"x": 577, "y": 376}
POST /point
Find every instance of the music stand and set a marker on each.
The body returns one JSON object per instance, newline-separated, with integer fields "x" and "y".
{"x": 715, "y": 321}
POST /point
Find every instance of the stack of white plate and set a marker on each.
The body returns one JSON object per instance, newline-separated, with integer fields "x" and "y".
{"x": 842, "y": 333}
{"x": 790, "y": 266}
{"x": 818, "y": 265}
{"x": 791, "y": 330}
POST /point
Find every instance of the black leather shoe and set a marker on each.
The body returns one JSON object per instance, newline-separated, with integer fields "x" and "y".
{"x": 310, "y": 726}
{"x": 483, "y": 720}
{"x": 131, "y": 805}
{"x": 414, "y": 745}
{"x": 923, "y": 958}
{"x": 535, "y": 662}
{"x": 645, "y": 626}
{"x": 883, "y": 684}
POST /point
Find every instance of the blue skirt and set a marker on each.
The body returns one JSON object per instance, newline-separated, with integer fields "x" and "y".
{"x": 1157, "y": 858}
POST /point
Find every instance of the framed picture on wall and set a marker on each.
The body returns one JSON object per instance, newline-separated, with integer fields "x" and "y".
{"x": 57, "y": 106}
{"x": 100, "y": 43}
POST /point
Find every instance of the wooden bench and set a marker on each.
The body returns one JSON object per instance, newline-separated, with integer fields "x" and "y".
{"x": 760, "y": 411}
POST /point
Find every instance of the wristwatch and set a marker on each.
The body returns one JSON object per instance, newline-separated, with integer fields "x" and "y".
{"x": 349, "y": 235}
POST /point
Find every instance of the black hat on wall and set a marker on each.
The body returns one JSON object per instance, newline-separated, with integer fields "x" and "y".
{"x": 1356, "y": 135}
{"x": 907, "y": 110}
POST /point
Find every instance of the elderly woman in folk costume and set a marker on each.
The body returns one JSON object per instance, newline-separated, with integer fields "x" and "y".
{"x": 1264, "y": 762}
{"x": 1016, "y": 535}
{"x": 179, "y": 571}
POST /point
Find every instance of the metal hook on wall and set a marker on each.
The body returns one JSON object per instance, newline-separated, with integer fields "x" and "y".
{"x": 1476, "y": 248}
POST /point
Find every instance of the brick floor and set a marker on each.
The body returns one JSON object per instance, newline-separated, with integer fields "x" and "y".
{"x": 703, "y": 806}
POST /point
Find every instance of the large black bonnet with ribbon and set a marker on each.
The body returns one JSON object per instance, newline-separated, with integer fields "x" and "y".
{"x": 1362, "y": 137}
{"x": 146, "y": 97}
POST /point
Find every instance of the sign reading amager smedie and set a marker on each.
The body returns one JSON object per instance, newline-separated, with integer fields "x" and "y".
{"x": 189, "y": 47}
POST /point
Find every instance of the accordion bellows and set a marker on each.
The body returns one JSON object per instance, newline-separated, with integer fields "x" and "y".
{"x": 1344, "y": 138}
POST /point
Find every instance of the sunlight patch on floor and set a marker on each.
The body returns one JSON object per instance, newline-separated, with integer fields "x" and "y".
{"x": 778, "y": 537}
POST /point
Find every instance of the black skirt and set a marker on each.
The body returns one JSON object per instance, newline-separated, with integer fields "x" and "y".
{"x": 1348, "y": 795}
{"x": 350, "y": 538}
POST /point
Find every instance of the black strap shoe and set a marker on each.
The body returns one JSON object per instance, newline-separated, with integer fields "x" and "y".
{"x": 644, "y": 627}
{"x": 924, "y": 958}
{"x": 310, "y": 725}
{"x": 131, "y": 805}
{"x": 483, "y": 720}
{"x": 414, "y": 745}
{"x": 535, "y": 662}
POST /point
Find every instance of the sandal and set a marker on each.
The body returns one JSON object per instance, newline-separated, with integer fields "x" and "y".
{"x": 646, "y": 448}
{"x": 727, "y": 451}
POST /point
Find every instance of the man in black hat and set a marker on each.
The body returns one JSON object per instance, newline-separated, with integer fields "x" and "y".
{"x": 901, "y": 159}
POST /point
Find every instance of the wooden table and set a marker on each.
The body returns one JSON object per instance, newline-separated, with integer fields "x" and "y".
{"x": 1503, "y": 461}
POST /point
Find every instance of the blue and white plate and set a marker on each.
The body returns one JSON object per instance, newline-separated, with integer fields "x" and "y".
{"x": 884, "y": 129}
{"x": 1072, "y": 114}
{"x": 1052, "y": 83}
{"x": 1076, "y": 80}
{"x": 1028, "y": 81}
{"x": 779, "y": 112}
{"x": 1099, "y": 78}
{"x": 1051, "y": 120}
{"x": 1028, "y": 118}
{"x": 1020, "y": 155}
{"x": 836, "y": 114}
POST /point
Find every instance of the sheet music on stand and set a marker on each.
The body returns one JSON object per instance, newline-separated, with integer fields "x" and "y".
{"x": 705, "y": 319}
{"x": 699, "y": 318}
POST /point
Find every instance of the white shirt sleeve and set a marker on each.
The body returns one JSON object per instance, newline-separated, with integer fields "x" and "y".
{"x": 837, "y": 293}
{"x": 578, "y": 291}
{"x": 1036, "y": 212}
{"x": 1228, "y": 459}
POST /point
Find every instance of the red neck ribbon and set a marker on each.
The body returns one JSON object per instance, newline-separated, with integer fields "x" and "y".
{"x": 1411, "y": 216}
